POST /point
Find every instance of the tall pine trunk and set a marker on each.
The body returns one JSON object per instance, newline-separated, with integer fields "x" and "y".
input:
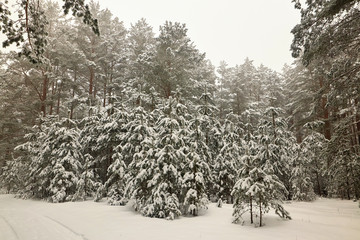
{"x": 260, "y": 211}
{"x": 325, "y": 112}
{"x": 44, "y": 94}
{"x": 251, "y": 211}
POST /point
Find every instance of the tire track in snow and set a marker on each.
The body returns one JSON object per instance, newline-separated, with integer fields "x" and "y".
{"x": 67, "y": 228}
{"x": 11, "y": 227}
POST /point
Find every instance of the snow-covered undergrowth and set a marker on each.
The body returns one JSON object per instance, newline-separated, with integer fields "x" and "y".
{"x": 28, "y": 219}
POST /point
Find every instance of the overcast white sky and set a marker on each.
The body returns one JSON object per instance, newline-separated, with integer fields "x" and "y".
{"x": 228, "y": 30}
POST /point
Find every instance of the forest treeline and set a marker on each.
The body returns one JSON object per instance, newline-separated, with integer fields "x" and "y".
{"x": 131, "y": 115}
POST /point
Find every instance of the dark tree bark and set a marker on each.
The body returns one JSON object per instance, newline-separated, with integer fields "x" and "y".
{"x": 44, "y": 94}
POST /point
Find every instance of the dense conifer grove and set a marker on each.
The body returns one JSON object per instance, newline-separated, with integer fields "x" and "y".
{"x": 140, "y": 118}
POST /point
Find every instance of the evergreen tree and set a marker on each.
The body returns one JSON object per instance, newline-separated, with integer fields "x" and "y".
{"x": 143, "y": 143}
{"x": 35, "y": 22}
{"x": 115, "y": 183}
{"x": 302, "y": 186}
{"x": 55, "y": 161}
{"x": 343, "y": 166}
{"x": 309, "y": 163}
{"x": 259, "y": 187}
{"x": 134, "y": 150}
{"x": 65, "y": 161}
{"x": 196, "y": 172}
{"x": 227, "y": 162}
{"x": 223, "y": 92}
{"x": 89, "y": 182}
{"x": 164, "y": 185}
{"x": 243, "y": 198}
{"x": 176, "y": 58}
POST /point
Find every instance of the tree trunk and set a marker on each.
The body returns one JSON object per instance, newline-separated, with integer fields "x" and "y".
{"x": 298, "y": 131}
{"x": 44, "y": 95}
{"x": 318, "y": 183}
{"x": 58, "y": 100}
{"x": 91, "y": 80}
{"x": 325, "y": 112}
{"x": 260, "y": 212}
{"x": 73, "y": 95}
{"x": 52, "y": 97}
{"x": 105, "y": 91}
{"x": 251, "y": 211}
{"x": 348, "y": 188}
{"x": 168, "y": 91}
{"x": 358, "y": 126}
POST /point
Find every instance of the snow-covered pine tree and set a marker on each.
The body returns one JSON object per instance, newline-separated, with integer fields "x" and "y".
{"x": 110, "y": 133}
{"x": 165, "y": 183}
{"x": 55, "y": 158}
{"x": 140, "y": 168}
{"x": 223, "y": 95}
{"x": 88, "y": 179}
{"x": 14, "y": 175}
{"x": 227, "y": 161}
{"x": 90, "y": 184}
{"x": 131, "y": 150}
{"x": 302, "y": 186}
{"x": 259, "y": 189}
{"x": 343, "y": 161}
{"x": 316, "y": 143}
{"x": 100, "y": 135}
{"x": 215, "y": 144}
{"x": 65, "y": 159}
{"x": 206, "y": 113}
{"x": 307, "y": 164}
{"x": 280, "y": 146}
{"x": 115, "y": 184}
{"x": 243, "y": 197}
{"x": 33, "y": 153}
{"x": 252, "y": 192}
{"x": 110, "y": 157}
{"x": 196, "y": 172}
{"x": 268, "y": 190}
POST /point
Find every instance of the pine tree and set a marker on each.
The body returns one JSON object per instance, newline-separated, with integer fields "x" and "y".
{"x": 227, "y": 161}
{"x": 210, "y": 127}
{"x": 89, "y": 183}
{"x": 133, "y": 150}
{"x": 259, "y": 188}
{"x": 308, "y": 163}
{"x": 343, "y": 166}
{"x": 164, "y": 185}
{"x": 280, "y": 146}
{"x": 175, "y": 61}
{"x": 223, "y": 93}
{"x": 55, "y": 161}
{"x": 302, "y": 186}
{"x": 115, "y": 183}
{"x": 35, "y": 22}
{"x": 14, "y": 175}
{"x": 65, "y": 160}
{"x": 140, "y": 168}
{"x": 243, "y": 198}
{"x": 196, "y": 172}
{"x": 100, "y": 136}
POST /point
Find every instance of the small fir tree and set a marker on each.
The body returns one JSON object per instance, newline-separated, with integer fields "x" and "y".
{"x": 196, "y": 170}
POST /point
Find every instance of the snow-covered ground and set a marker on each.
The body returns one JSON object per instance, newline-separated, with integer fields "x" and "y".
{"x": 29, "y": 220}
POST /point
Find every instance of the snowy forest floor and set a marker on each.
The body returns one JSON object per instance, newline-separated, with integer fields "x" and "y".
{"x": 29, "y": 220}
